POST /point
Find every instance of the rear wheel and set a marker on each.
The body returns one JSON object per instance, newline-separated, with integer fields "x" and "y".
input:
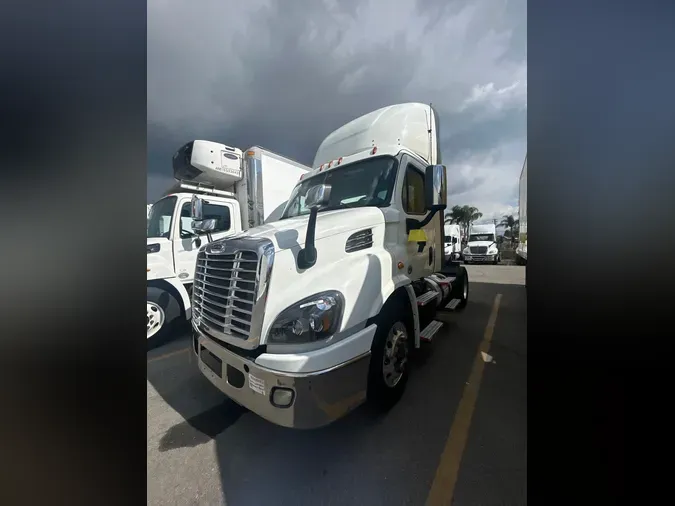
{"x": 388, "y": 371}
{"x": 162, "y": 311}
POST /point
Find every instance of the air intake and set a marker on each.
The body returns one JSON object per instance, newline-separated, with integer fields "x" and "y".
{"x": 359, "y": 240}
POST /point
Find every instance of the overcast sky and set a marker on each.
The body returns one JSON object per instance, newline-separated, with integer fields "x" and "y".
{"x": 284, "y": 74}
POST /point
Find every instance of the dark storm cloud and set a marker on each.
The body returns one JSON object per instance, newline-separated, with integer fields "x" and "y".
{"x": 463, "y": 137}
{"x": 288, "y": 73}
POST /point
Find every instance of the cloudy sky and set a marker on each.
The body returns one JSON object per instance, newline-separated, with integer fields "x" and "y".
{"x": 284, "y": 74}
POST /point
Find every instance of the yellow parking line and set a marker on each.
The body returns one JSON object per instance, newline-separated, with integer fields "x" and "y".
{"x": 170, "y": 354}
{"x": 443, "y": 486}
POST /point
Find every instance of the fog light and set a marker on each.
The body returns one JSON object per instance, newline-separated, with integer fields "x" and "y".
{"x": 282, "y": 397}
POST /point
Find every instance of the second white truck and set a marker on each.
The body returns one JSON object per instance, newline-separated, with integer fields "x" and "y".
{"x": 240, "y": 189}
{"x": 453, "y": 241}
{"x": 481, "y": 245}
{"x": 303, "y": 319}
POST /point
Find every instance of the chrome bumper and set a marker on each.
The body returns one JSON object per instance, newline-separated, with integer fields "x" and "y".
{"x": 480, "y": 258}
{"x": 317, "y": 398}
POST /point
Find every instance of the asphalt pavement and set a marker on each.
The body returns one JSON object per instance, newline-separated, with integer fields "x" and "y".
{"x": 458, "y": 436}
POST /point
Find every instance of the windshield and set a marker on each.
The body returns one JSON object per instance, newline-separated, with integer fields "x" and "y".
{"x": 360, "y": 184}
{"x": 159, "y": 222}
{"x": 481, "y": 237}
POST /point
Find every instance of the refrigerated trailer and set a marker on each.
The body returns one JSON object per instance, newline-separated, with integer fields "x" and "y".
{"x": 521, "y": 250}
{"x": 239, "y": 190}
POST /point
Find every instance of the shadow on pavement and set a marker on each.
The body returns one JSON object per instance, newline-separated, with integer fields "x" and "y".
{"x": 366, "y": 457}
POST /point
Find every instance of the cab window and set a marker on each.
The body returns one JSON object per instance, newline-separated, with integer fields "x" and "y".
{"x": 220, "y": 213}
{"x": 413, "y": 191}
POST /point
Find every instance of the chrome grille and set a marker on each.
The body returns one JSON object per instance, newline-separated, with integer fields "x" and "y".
{"x": 481, "y": 250}
{"x": 224, "y": 291}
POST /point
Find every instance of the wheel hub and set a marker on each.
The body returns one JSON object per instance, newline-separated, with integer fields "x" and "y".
{"x": 154, "y": 319}
{"x": 395, "y": 355}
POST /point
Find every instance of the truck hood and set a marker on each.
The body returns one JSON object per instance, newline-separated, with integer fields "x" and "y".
{"x": 291, "y": 232}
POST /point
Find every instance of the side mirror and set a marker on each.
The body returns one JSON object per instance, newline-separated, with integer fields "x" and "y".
{"x": 196, "y": 209}
{"x": 204, "y": 225}
{"x": 318, "y": 196}
{"x": 436, "y": 185}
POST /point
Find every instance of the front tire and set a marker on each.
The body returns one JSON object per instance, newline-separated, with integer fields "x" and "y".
{"x": 389, "y": 360}
{"x": 162, "y": 311}
{"x": 462, "y": 292}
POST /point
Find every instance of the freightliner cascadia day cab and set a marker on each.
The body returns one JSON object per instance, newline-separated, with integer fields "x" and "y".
{"x": 304, "y": 319}
{"x": 481, "y": 245}
{"x": 521, "y": 250}
{"x": 453, "y": 241}
{"x": 240, "y": 190}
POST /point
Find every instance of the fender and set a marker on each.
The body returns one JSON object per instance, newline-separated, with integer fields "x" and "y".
{"x": 177, "y": 288}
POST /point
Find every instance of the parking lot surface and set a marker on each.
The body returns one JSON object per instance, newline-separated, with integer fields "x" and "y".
{"x": 458, "y": 436}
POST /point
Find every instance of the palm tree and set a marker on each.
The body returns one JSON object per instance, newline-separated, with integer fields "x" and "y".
{"x": 509, "y": 222}
{"x": 464, "y": 216}
{"x": 473, "y": 214}
{"x": 456, "y": 215}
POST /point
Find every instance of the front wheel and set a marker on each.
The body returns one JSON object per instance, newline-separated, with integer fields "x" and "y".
{"x": 388, "y": 371}
{"x": 162, "y": 310}
{"x": 461, "y": 292}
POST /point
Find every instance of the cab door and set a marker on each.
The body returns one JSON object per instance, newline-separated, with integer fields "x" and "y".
{"x": 186, "y": 241}
{"x": 421, "y": 254}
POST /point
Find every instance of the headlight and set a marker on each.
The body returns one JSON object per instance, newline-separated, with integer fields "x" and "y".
{"x": 493, "y": 250}
{"x": 312, "y": 319}
{"x": 466, "y": 251}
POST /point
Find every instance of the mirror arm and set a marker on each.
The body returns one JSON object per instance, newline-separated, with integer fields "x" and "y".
{"x": 307, "y": 255}
{"x": 413, "y": 224}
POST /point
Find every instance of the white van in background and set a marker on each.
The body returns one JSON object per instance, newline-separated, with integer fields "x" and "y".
{"x": 482, "y": 245}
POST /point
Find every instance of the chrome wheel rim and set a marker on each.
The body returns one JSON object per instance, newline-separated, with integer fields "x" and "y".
{"x": 395, "y": 359}
{"x": 154, "y": 319}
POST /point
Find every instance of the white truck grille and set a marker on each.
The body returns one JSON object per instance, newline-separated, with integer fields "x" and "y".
{"x": 224, "y": 291}
{"x": 480, "y": 250}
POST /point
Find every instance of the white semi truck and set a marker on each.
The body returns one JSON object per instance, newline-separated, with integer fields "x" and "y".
{"x": 521, "y": 250}
{"x": 240, "y": 190}
{"x": 304, "y": 319}
{"x": 481, "y": 245}
{"x": 453, "y": 241}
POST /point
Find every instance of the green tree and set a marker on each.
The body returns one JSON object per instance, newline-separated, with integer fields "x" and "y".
{"x": 464, "y": 216}
{"x": 510, "y": 223}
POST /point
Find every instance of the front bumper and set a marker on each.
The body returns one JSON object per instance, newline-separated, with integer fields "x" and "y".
{"x": 317, "y": 398}
{"x": 479, "y": 258}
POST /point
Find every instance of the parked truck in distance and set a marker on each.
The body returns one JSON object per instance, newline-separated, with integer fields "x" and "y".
{"x": 240, "y": 189}
{"x": 453, "y": 241}
{"x": 521, "y": 250}
{"x": 303, "y": 319}
{"x": 481, "y": 245}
